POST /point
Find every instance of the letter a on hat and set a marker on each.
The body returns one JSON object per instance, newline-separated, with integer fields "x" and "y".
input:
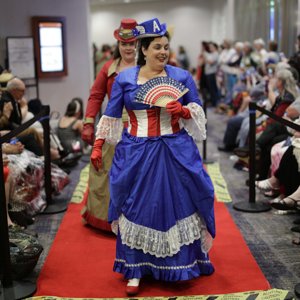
{"x": 155, "y": 26}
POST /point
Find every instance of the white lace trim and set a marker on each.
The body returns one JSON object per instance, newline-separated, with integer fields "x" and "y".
{"x": 195, "y": 126}
{"x": 115, "y": 227}
{"x": 149, "y": 264}
{"x": 110, "y": 129}
{"x": 163, "y": 244}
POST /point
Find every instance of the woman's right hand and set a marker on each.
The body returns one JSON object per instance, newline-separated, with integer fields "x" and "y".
{"x": 175, "y": 108}
{"x": 96, "y": 156}
{"x": 87, "y": 133}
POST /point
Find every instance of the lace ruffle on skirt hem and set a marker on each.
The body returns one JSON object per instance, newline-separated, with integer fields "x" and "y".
{"x": 163, "y": 244}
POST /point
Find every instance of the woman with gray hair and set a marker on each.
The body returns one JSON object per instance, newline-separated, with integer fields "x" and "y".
{"x": 281, "y": 90}
{"x": 274, "y": 132}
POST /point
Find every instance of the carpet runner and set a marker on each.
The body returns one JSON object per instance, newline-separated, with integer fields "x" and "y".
{"x": 80, "y": 261}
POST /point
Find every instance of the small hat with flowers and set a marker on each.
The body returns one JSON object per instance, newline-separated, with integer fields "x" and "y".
{"x": 124, "y": 32}
{"x": 151, "y": 28}
{"x": 5, "y": 77}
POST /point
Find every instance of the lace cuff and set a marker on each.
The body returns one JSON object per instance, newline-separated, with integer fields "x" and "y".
{"x": 195, "y": 126}
{"x": 163, "y": 244}
{"x": 115, "y": 227}
{"x": 110, "y": 129}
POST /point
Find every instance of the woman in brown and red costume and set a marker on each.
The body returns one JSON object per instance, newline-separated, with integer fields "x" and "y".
{"x": 97, "y": 195}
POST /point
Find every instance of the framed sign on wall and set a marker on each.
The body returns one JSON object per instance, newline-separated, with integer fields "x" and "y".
{"x": 21, "y": 62}
{"x": 20, "y": 56}
{"x": 50, "y": 46}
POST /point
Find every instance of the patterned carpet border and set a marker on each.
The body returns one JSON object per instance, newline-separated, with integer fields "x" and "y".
{"x": 219, "y": 183}
{"x": 272, "y": 294}
{"x": 80, "y": 189}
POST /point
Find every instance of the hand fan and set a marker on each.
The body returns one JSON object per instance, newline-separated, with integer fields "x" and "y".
{"x": 159, "y": 91}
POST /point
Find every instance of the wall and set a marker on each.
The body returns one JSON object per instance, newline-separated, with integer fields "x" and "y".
{"x": 193, "y": 20}
{"x": 15, "y": 18}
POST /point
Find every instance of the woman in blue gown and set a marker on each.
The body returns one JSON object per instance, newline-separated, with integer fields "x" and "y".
{"x": 162, "y": 200}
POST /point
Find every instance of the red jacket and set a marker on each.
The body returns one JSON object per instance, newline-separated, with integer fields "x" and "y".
{"x": 102, "y": 86}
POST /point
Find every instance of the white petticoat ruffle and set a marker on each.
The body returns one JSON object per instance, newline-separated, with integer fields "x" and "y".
{"x": 110, "y": 129}
{"x": 195, "y": 126}
{"x": 163, "y": 244}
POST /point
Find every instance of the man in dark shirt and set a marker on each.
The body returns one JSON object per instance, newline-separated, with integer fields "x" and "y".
{"x": 10, "y": 104}
{"x": 13, "y": 108}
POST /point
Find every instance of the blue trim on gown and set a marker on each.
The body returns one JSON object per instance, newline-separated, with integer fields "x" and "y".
{"x": 156, "y": 181}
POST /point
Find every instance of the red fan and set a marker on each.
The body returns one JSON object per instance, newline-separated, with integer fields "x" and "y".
{"x": 159, "y": 91}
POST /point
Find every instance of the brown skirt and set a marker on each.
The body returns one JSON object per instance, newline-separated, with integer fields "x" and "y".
{"x": 95, "y": 211}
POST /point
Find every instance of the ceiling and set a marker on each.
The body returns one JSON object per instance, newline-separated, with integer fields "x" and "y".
{"x": 109, "y": 2}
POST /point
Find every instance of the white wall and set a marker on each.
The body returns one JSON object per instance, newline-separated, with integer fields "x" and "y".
{"x": 15, "y": 20}
{"x": 194, "y": 21}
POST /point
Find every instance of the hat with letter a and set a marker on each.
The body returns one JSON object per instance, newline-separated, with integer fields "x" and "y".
{"x": 151, "y": 28}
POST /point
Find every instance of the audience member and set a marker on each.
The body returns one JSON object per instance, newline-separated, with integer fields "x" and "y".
{"x": 182, "y": 58}
{"x": 70, "y": 127}
{"x": 232, "y": 135}
{"x": 272, "y": 56}
{"x": 286, "y": 179}
{"x": 224, "y": 57}
{"x": 260, "y": 53}
{"x": 248, "y": 60}
{"x": 273, "y": 132}
{"x": 102, "y": 56}
{"x": 232, "y": 70}
{"x": 13, "y": 108}
{"x": 210, "y": 70}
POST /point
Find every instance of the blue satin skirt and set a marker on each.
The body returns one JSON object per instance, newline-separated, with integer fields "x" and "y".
{"x": 155, "y": 182}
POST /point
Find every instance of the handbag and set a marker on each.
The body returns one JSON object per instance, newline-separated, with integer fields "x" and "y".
{"x": 25, "y": 251}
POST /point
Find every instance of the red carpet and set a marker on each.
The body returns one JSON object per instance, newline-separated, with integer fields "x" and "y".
{"x": 80, "y": 263}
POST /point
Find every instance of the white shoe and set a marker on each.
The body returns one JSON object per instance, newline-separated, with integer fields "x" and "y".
{"x": 133, "y": 282}
{"x": 132, "y": 287}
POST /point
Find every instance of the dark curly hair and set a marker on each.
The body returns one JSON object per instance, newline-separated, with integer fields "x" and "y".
{"x": 294, "y": 62}
{"x": 144, "y": 43}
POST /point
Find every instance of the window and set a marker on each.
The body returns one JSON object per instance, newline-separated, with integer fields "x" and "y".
{"x": 272, "y": 20}
{"x": 50, "y": 46}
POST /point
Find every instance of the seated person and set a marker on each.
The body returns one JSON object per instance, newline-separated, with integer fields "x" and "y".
{"x": 263, "y": 89}
{"x": 257, "y": 93}
{"x": 286, "y": 179}
{"x": 70, "y": 128}
{"x": 292, "y": 114}
{"x": 14, "y": 111}
{"x": 273, "y": 132}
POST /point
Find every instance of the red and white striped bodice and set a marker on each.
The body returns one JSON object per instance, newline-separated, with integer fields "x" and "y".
{"x": 151, "y": 122}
